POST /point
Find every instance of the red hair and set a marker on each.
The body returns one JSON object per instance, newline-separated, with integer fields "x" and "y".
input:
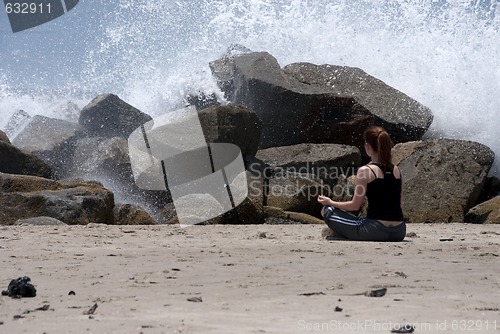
{"x": 381, "y": 143}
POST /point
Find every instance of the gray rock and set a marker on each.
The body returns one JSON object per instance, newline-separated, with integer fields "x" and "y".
{"x": 327, "y": 162}
{"x": 108, "y": 161}
{"x": 250, "y": 211}
{"x": 302, "y": 218}
{"x": 168, "y": 215}
{"x": 84, "y": 149}
{"x": 232, "y": 124}
{"x": 16, "y": 123}
{"x": 442, "y": 178}
{"x": 44, "y": 134}
{"x": 73, "y": 202}
{"x": 194, "y": 209}
{"x": 491, "y": 189}
{"x": 296, "y": 192}
{"x": 40, "y": 221}
{"x": 109, "y": 156}
{"x": 15, "y": 161}
{"x": 69, "y": 111}
{"x": 4, "y": 138}
{"x": 403, "y": 117}
{"x": 202, "y": 100}
{"x": 223, "y": 69}
{"x": 485, "y": 213}
{"x": 51, "y": 140}
{"x": 247, "y": 213}
{"x": 323, "y": 104}
{"x": 129, "y": 214}
{"x": 108, "y": 116}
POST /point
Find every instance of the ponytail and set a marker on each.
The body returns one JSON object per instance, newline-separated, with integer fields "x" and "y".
{"x": 384, "y": 148}
{"x": 381, "y": 143}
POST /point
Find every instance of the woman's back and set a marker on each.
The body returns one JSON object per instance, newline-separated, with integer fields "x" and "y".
{"x": 384, "y": 193}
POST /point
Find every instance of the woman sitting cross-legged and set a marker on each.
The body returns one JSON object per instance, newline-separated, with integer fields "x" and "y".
{"x": 381, "y": 182}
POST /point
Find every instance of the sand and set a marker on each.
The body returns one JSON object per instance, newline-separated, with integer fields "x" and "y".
{"x": 249, "y": 279}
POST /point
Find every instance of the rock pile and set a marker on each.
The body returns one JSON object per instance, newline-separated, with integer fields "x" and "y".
{"x": 298, "y": 128}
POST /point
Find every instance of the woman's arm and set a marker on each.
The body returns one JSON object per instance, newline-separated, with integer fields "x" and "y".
{"x": 362, "y": 178}
{"x": 399, "y": 175}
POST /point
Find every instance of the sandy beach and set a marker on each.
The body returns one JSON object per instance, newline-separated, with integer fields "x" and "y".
{"x": 249, "y": 279}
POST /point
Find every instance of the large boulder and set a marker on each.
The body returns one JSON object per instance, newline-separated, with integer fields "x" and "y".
{"x": 74, "y": 150}
{"x": 442, "y": 178}
{"x": 15, "y": 161}
{"x": 40, "y": 221}
{"x": 4, "y": 137}
{"x": 201, "y": 100}
{"x": 84, "y": 148}
{"x": 250, "y": 211}
{"x": 102, "y": 156}
{"x": 491, "y": 189}
{"x": 405, "y": 118}
{"x": 193, "y": 209}
{"x": 51, "y": 140}
{"x": 73, "y": 202}
{"x": 108, "y": 116}
{"x": 232, "y": 124}
{"x": 245, "y": 213}
{"x": 289, "y": 189}
{"x": 68, "y": 111}
{"x": 296, "y": 192}
{"x": 324, "y": 161}
{"x": 107, "y": 160}
{"x": 485, "y": 213}
{"x": 130, "y": 214}
{"x": 16, "y": 122}
{"x": 65, "y": 146}
{"x": 185, "y": 148}
{"x": 322, "y": 104}
{"x": 274, "y": 215}
{"x": 44, "y": 134}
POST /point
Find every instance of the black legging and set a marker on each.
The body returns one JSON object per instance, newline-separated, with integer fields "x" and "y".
{"x": 364, "y": 229}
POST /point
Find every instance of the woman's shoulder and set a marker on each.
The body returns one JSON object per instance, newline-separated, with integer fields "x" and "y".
{"x": 378, "y": 170}
{"x": 396, "y": 171}
{"x": 372, "y": 167}
{"x": 366, "y": 172}
{"x": 365, "y": 168}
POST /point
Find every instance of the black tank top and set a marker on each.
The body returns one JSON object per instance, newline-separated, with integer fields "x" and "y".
{"x": 384, "y": 196}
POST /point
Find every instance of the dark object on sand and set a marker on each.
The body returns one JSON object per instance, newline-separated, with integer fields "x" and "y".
{"x": 376, "y": 293}
{"x": 45, "y": 307}
{"x": 20, "y": 287}
{"x": 308, "y": 294}
{"x": 404, "y": 329}
{"x": 400, "y": 274}
{"x": 91, "y": 310}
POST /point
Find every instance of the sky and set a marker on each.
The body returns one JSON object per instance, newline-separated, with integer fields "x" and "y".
{"x": 53, "y": 48}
